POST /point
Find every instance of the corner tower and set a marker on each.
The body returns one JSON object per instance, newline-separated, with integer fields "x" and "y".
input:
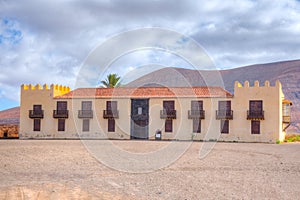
{"x": 36, "y": 104}
{"x": 262, "y": 107}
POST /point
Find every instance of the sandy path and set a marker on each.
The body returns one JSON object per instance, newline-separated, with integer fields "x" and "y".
{"x": 38, "y": 169}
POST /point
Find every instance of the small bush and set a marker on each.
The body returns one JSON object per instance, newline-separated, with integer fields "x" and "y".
{"x": 278, "y": 142}
{"x": 292, "y": 138}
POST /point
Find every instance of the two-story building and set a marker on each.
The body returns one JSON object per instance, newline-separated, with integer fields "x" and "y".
{"x": 253, "y": 114}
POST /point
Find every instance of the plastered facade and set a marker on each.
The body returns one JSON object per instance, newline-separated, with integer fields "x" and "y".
{"x": 271, "y": 128}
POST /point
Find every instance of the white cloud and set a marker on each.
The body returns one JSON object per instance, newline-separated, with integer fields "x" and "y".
{"x": 55, "y": 37}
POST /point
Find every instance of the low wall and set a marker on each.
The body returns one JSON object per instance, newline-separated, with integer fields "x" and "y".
{"x": 9, "y": 131}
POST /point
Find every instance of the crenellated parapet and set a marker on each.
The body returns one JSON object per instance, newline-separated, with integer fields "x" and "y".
{"x": 257, "y": 90}
{"x": 256, "y": 84}
{"x": 55, "y": 88}
{"x": 34, "y": 87}
{"x": 60, "y": 87}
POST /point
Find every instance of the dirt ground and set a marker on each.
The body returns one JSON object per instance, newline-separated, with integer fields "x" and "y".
{"x": 60, "y": 169}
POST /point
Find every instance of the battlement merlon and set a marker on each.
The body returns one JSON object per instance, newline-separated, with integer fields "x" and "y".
{"x": 256, "y": 84}
{"x": 56, "y": 89}
{"x": 256, "y": 88}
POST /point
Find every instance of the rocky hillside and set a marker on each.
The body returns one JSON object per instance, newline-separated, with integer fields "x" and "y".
{"x": 288, "y": 72}
{"x": 10, "y": 116}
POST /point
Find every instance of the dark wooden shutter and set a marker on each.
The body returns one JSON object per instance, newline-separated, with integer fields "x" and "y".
{"x": 37, "y": 110}
{"x": 168, "y": 105}
{"x": 86, "y": 125}
{"x": 255, "y": 127}
{"x": 196, "y": 125}
{"x": 225, "y": 105}
{"x": 108, "y": 105}
{"x": 224, "y": 126}
{"x": 37, "y": 125}
{"x": 37, "y": 107}
{"x": 197, "y": 105}
{"x": 168, "y": 125}
{"x": 62, "y": 105}
{"x": 256, "y": 106}
{"x": 111, "y": 125}
{"x": 86, "y": 105}
{"x": 61, "y": 124}
{"x": 111, "y": 105}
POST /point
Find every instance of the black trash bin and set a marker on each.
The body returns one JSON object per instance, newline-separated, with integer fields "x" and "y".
{"x": 158, "y": 135}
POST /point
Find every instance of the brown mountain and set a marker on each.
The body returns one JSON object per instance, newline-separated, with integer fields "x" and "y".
{"x": 288, "y": 72}
{"x": 10, "y": 116}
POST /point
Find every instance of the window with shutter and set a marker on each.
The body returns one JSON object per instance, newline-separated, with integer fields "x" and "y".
{"x": 168, "y": 105}
{"x": 86, "y": 105}
{"x": 62, "y": 105}
{"x": 256, "y": 106}
{"x": 197, "y": 105}
{"x": 225, "y": 105}
{"x": 111, "y": 105}
{"x": 37, "y": 107}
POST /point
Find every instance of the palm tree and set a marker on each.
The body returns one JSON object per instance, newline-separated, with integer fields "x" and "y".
{"x": 111, "y": 81}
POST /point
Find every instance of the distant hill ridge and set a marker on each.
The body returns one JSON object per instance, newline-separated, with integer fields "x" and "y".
{"x": 288, "y": 72}
{"x": 10, "y": 116}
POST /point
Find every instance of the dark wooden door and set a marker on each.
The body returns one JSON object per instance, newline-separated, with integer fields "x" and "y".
{"x": 195, "y": 106}
{"x": 37, "y": 125}
{"x": 255, "y": 127}
{"x": 139, "y": 119}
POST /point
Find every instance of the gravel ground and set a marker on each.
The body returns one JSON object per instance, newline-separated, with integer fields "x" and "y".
{"x": 60, "y": 169}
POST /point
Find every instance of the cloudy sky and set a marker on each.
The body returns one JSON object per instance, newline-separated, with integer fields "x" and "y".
{"x": 48, "y": 41}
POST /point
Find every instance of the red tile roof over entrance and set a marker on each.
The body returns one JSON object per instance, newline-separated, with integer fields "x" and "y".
{"x": 146, "y": 92}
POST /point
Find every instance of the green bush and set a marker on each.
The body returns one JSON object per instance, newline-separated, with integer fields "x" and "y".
{"x": 278, "y": 142}
{"x": 292, "y": 138}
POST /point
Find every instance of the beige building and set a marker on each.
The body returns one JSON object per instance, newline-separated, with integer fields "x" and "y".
{"x": 253, "y": 114}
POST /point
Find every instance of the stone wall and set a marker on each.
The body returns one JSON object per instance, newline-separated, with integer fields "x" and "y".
{"x": 9, "y": 131}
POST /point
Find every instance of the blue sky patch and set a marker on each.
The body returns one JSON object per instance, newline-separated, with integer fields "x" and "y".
{"x": 9, "y": 32}
{"x": 183, "y": 40}
{"x": 7, "y": 103}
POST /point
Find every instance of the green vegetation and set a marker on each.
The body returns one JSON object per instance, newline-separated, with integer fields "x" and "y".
{"x": 292, "y": 138}
{"x": 278, "y": 142}
{"x": 112, "y": 80}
